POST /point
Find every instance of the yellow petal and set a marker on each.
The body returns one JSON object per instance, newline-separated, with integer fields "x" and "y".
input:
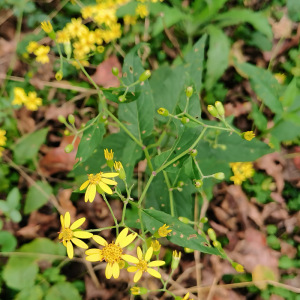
{"x": 116, "y": 270}
{"x": 130, "y": 258}
{"x": 121, "y": 237}
{"x": 149, "y": 254}
{"x": 65, "y": 243}
{"x": 154, "y": 273}
{"x": 93, "y": 257}
{"x": 79, "y": 243}
{"x": 108, "y": 271}
{"x": 105, "y": 188}
{"x": 139, "y": 253}
{"x": 84, "y": 185}
{"x": 109, "y": 181}
{"x": 67, "y": 219}
{"x": 109, "y": 175}
{"x": 128, "y": 240}
{"x": 60, "y": 235}
{"x": 70, "y": 250}
{"x": 62, "y": 222}
{"x": 137, "y": 276}
{"x": 82, "y": 234}
{"x": 91, "y": 190}
{"x": 77, "y": 223}
{"x": 156, "y": 263}
{"x": 100, "y": 240}
{"x": 132, "y": 269}
{"x": 92, "y": 251}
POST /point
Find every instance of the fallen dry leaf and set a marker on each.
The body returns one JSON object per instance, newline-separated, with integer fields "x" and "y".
{"x": 260, "y": 273}
{"x": 53, "y": 111}
{"x": 57, "y": 160}
{"x": 103, "y": 75}
{"x": 66, "y": 204}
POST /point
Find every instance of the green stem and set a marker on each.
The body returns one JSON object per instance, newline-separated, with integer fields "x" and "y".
{"x": 146, "y": 189}
{"x": 112, "y": 213}
{"x": 197, "y": 165}
{"x": 171, "y": 198}
{"x": 100, "y": 229}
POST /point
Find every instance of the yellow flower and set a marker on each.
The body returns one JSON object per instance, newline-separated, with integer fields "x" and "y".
{"x": 70, "y": 234}
{"x": 241, "y": 172}
{"x": 155, "y": 245}
{"x": 186, "y": 297}
{"x": 164, "y": 230}
{"x": 129, "y": 20}
{"x": 42, "y": 54}
{"x": 32, "y": 101}
{"x": 76, "y": 28}
{"x": 143, "y": 264}
{"x": 32, "y": 46}
{"x": 249, "y": 135}
{"x": 108, "y": 155}
{"x": 62, "y": 36}
{"x": 135, "y": 290}
{"x": 2, "y": 137}
{"x": 142, "y": 11}
{"x": 46, "y": 26}
{"x": 20, "y": 96}
{"x": 239, "y": 268}
{"x": 119, "y": 168}
{"x": 280, "y": 77}
{"x": 98, "y": 182}
{"x": 112, "y": 253}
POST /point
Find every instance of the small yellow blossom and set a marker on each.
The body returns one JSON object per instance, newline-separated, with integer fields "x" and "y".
{"x": 239, "y": 268}
{"x": 32, "y": 46}
{"x": 75, "y": 28}
{"x": 42, "y": 54}
{"x": 20, "y": 96}
{"x": 2, "y": 137}
{"x": 109, "y": 155}
{"x": 143, "y": 264}
{"x": 155, "y": 245}
{"x": 32, "y": 101}
{"x": 129, "y": 20}
{"x": 241, "y": 172}
{"x": 280, "y": 77}
{"x": 176, "y": 256}
{"x": 119, "y": 168}
{"x": 98, "y": 182}
{"x": 112, "y": 253}
{"x": 249, "y": 135}
{"x": 164, "y": 230}
{"x": 71, "y": 234}
{"x": 142, "y": 11}
{"x": 62, "y": 36}
{"x": 46, "y": 26}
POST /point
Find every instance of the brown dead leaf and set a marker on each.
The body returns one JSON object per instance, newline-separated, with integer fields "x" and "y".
{"x": 7, "y": 49}
{"x": 57, "y": 160}
{"x": 274, "y": 211}
{"x": 297, "y": 159}
{"x": 237, "y": 109}
{"x": 53, "y": 111}
{"x": 273, "y": 165}
{"x": 25, "y": 122}
{"x": 283, "y": 28}
{"x": 66, "y": 204}
{"x": 103, "y": 75}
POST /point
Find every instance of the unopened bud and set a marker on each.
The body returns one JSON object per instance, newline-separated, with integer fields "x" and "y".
{"x": 122, "y": 98}
{"x": 67, "y": 132}
{"x": 71, "y": 119}
{"x": 156, "y": 246}
{"x": 162, "y": 111}
{"x": 184, "y": 120}
{"x": 115, "y": 71}
{"x": 145, "y": 75}
{"x": 188, "y": 250}
{"x": 220, "y": 108}
{"x": 217, "y": 244}
{"x": 69, "y": 148}
{"x": 184, "y": 220}
{"x": 61, "y": 119}
{"x": 189, "y": 91}
{"x": 175, "y": 259}
{"x": 219, "y": 175}
{"x": 198, "y": 183}
{"x": 212, "y": 235}
{"x": 68, "y": 49}
{"x": 59, "y": 75}
{"x": 180, "y": 183}
{"x": 138, "y": 290}
{"x": 193, "y": 152}
{"x": 204, "y": 220}
{"x": 212, "y": 110}
{"x": 239, "y": 268}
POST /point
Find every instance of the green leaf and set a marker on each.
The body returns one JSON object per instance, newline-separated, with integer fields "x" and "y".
{"x": 217, "y": 56}
{"x": 15, "y": 216}
{"x": 285, "y": 131}
{"x": 259, "y": 118}
{"x": 91, "y": 139}
{"x": 265, "y": 86}
{"x": 182, "y": 234}
{"x": 13, "y": 198}
{"x": 290, "y": 94}
{"x": 63, "y": 291}
{"x": 8, "y": 242}
{"x": 35, "y": 198}
{"x": 294, "y": 10}
{"x": 237, "y": 15}
{"x": 28, "y": 146}
{"x": 32, "y": 293}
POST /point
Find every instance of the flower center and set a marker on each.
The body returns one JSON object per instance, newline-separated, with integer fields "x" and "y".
{"x": 67, "y": 234}
{"x": 94, "y": 179}
{"x": 142, "y": 265}
{"x": 112, "y": 253}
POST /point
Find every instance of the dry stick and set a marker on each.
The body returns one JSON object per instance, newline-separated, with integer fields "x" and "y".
{"x": 32, "y": 182}
{"x": 212, "y": 290}
{"x": 6, "y": 17}
{"x": 241, "y": 285}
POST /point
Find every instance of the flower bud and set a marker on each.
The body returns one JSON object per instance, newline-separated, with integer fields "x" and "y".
{"x": 193, "y": 153}
{"x": 100, "y": 49}
{"x": 175, "y": 259}
{"x": 204, "y": 220}
{"x": 162, "y": 111}
{"x": 122, "y": 98}
{"x": 115, "y": 71}
{"x": 61, "y": 119}
{"x": 69, "y": 148}
{"x": 71, "y": 119}
{"x": 212, "y": 235}
{"x": 219, "y": 175}
{"x": 184, "y": 120}
{"x": 67, "y": 132}
{"x": 184, "y": 220}
{"x": 188, "y": 250}
{"x": 119, "y": 168}
{"x": 156, "y": 246}
{"x": 189, "y": 91}
{"x": 220, "y": 108}
{"x": 145, "y": 75}
{"x": 68, "y": 49}
{"x": 239, "y": 268}
{"x": 248, "y": 135}
{"x": 212, "y": 110}
{"x": 217, "y": 244}
{"x": 198, "y": 183}
{"x": 136, "y": 290}
{"x": 59, "y": 75}
{"x": 180, "y": 184}
{"x": 103, "y": 119}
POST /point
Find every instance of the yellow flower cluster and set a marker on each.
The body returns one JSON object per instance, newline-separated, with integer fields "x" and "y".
{"x": 2, "y": 140}
{"x": 249, "y": 135}
{"x": 31, "y": 101}
{"x": 40, "y": 51}
{"x": 241, "y": 171}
